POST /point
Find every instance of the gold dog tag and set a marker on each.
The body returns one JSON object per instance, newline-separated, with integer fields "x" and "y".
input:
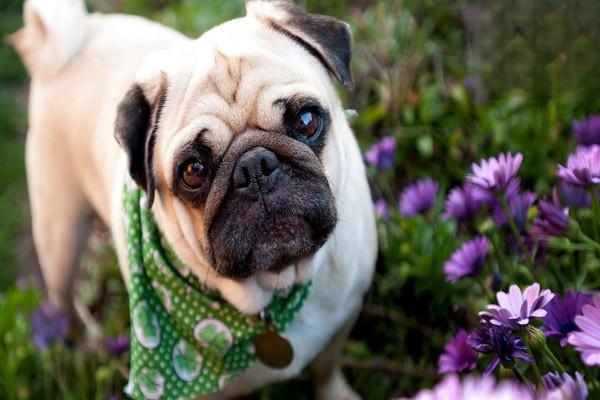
{"x": 273, "y": 350}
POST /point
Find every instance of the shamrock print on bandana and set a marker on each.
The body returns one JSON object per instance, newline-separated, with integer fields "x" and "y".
{"x": 152, "y": 383}
{"x": 145, "y": 326}
{"x": 186, "y": 361}
{"x": 214, "y": 335}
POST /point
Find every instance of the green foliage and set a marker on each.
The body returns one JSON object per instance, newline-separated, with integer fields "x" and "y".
{"x": 190, "y": 17}
{"x": 13, "y": 210}
{"x": 78, "y": 367}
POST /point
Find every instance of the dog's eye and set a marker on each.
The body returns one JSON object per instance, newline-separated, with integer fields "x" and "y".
{"x": 194, "y": 173}
{"x": 308, "y": 123}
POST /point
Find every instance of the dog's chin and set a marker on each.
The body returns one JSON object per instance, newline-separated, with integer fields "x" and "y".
{"x": 277, "y": 256}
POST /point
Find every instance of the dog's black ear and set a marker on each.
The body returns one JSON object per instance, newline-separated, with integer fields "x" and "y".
{"x": 135, "y": 130}
{"x": 327, "y": 38}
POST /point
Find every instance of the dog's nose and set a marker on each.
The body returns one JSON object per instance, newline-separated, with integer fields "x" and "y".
{"x": 256, "y": 171}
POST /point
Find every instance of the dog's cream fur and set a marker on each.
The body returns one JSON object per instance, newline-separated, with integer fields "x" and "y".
{"x": 81, "y": 66}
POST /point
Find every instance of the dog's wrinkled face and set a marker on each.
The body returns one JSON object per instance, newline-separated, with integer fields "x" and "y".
{"x": 276, "y": 204}
{"x": 230, "y": 134}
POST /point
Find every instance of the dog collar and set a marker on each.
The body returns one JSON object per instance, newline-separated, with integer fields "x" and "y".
{"x": 186, "y": 341}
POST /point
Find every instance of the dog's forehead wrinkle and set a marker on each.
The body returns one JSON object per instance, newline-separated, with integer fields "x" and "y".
{"x": 226, "y": 75}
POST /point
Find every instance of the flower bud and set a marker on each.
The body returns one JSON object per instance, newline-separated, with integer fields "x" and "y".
{"x": 534, "y": 338}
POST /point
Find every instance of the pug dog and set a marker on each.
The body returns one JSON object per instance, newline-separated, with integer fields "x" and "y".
{"x": 242, "y": 147}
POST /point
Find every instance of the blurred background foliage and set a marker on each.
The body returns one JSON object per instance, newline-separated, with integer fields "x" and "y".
{"x": 453, "y": 81}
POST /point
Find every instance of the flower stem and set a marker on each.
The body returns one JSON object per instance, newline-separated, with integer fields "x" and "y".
{"x": 564, "y": 244}
{"x": 537, "y": 373}
{"x": 553, "y": 358}
{"x": 596, "y": 211}
{"x": 513, "y": 227}
{"x": 486, "y": 291}
{"x": 499, "y": 254}
{"x": 585, "y": 238}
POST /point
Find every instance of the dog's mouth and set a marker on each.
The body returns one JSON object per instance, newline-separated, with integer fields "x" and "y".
{"x": 274, "y": 208}
{"x": 270, "y": 235}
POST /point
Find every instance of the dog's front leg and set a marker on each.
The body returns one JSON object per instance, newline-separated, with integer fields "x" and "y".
{"x": 326, "y": 368}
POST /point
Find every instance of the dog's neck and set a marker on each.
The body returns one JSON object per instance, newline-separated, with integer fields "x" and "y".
{"x": 247, "y": 295}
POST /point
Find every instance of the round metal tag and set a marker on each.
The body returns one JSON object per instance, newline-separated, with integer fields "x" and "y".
{"x": 273, "y": 350}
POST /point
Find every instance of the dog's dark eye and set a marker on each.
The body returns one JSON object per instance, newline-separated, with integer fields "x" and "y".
{"x": 194, "y": 174}
{"x": 308, "y": 123}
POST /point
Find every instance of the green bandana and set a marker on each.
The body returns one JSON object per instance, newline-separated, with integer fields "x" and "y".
{"x": 185, "y": 342}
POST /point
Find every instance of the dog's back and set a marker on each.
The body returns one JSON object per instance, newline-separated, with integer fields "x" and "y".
{"x": 80, "y": 66}
{"x": 70, "y": 55}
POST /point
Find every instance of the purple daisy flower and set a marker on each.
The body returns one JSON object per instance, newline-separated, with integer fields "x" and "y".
{"x": 515, "y": 309}
{"x": 500, "y": 342}
{"x": 519, "y": 204}
{"x": 118, "y": 345}
{"x": 583, "y": 167}
{"x": 552, "y": 220}
{"x": 381, "y": 209}
{"x": 464, "y": 202}
{"x": 562, "y": 387}
{"x": 573, "y": 196}
{"x": 48, "y": 325}
{"x": 458, "y": 356}
{"x": 475, "y": 388}
{"x": 495, "y": 174}
{"x": 587, "y": 130}
{"x": 562, "y": 310}
{"x": 381, "y": 154}
{"x": 587, "y": 339}
{"x": 468, "y": 260}
{"x": 418, "y": 198}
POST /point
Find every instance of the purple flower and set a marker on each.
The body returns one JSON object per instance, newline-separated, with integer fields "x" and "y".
{"x": 552, "y": 220}
{"x": 583, "y": 167}
{"x": 418, "y": 198}
{"x": 458, "y": 355}
{"x": 381, "y": 154}
{"x": 48, "y": 325}
{"x": 519, "y": 204}
{"x": 464, "y": 202}
{"x": 587, "y": 339}
{"x": 562, "y": 387}
{"x": 515, "y": 309}
{"x": 118, "y": 345}
{"x": 474, "y": 388}
{"x": 587, "y": 130}
{"x": 500, "y": 342}
{"x": 573, "y": 196}
{"x": 468, "y": 260}
{"x": 381, "y": 209}
{"x": 495, "y": 174}
{"x": 560, "y": 320}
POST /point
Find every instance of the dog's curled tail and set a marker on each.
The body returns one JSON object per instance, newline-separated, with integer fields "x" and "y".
{"x": 53, "y": 33}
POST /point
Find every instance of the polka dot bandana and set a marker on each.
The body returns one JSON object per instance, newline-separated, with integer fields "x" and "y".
{"x": 185, "y": 340}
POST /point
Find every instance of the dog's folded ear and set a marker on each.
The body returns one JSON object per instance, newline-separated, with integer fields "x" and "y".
{"x": 328, "y": 39}
{"x": 138, "y": 115}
